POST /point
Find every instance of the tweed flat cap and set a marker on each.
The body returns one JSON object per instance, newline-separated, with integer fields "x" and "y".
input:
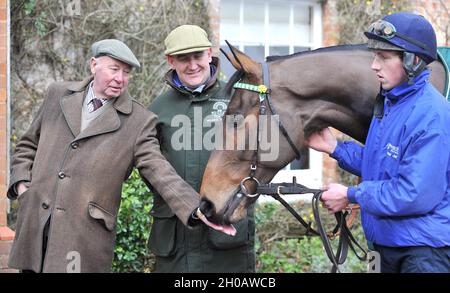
{"x": 115, "y": 49}
{"x": 186, "y": 39}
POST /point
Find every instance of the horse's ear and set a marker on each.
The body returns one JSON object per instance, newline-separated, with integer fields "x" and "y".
{"x": 241, "y": 61}
{"x": 226, "y": 54}
{"x": 234, "y": 60}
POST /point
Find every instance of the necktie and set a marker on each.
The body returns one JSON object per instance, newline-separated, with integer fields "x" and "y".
{"x": 96, "y": 103}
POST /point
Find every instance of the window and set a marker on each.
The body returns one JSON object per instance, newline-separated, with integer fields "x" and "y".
{"x": 263, "y": 28}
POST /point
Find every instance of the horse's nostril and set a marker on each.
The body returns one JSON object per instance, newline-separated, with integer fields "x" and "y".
{"x": 206, "y": 207}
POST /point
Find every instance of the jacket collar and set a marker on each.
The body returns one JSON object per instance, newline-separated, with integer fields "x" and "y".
{"x": 72, "y": 103}
{"x": 123, "y": 103}
{"x": 404, "y": 90}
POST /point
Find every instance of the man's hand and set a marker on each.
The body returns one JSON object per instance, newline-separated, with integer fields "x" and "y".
{"x": 21, "y": 188}
{"x": 335, "y": 197}
{"x": 322, "y": 141}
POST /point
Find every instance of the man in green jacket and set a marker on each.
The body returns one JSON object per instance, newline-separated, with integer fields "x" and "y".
{"x": 186, "y": 112}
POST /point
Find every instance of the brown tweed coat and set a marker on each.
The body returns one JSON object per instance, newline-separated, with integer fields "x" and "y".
{"x": 76, "y": 179}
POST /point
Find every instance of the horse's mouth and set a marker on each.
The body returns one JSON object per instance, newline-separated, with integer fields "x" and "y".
{"x": 227, "y": 229}
{"x": 223, "y": 220}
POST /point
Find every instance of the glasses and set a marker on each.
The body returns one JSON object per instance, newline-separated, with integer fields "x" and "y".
{"x": 383, "y": 29}
{"x": 386, "y": 30}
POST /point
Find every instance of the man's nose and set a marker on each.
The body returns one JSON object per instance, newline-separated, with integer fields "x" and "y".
{"x": 375, "y": 65}
{"x": 192, "y": 64}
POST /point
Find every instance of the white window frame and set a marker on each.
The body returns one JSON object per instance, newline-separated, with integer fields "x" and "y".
{"x": 311, "y": 177}
{"x": 316, "y": 26}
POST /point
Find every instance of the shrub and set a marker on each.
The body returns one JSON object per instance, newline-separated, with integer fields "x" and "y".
{"x": 133, "y": 227}
{"x": 281, "y": 244}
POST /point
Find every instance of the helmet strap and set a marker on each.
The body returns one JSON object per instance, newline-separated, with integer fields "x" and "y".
{"x": 378, "y": 107}
{"x": 411, "y": 69}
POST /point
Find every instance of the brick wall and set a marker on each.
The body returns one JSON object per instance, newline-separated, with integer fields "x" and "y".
{"x": 6, "y": 235}
{"x": 438, "y": 13}
{"x": 214, "y": 25}
{"x": 330, "y": 25}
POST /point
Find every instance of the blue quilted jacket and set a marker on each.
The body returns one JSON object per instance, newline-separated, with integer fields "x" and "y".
{"x": 405, "y": 169}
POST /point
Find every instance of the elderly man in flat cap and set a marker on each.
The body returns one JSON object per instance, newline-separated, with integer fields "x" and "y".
{"x": 68, "y": 168}
{"x": 194, "y": 91}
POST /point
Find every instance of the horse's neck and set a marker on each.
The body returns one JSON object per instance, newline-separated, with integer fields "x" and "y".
{"x": 327, "y": 89}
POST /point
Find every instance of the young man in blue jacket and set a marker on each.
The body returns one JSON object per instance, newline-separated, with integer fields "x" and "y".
{"x": 405, "y": 163}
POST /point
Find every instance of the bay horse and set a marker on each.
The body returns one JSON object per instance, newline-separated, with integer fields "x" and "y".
{"x": 311, "y": 90}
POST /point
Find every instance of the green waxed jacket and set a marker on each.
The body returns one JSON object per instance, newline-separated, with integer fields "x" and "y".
{"x": 201, "y": 249}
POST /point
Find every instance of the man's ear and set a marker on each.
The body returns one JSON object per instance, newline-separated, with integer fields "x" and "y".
{"x": 170, "y": 60}
{"x": 209, "y": 55}
{"x": 93, "y": 64}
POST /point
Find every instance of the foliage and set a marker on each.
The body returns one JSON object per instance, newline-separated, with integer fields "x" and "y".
{"x": 355, "y": 16}
{"x": 51, "y": 41}
{"x": 133, "y": 227}
{"x": 281, "y": 244}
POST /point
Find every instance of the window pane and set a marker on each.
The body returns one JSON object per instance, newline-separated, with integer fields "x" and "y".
{"x": 226, "y": 68}
{"x": 253, "y": 21}
{"x": 278, "y": 50}
{"x": 301, "y": 49}
{"x": 278, "y": 23}
{"x": 302, "y": 24}
{"x": 255, "y": 52}
{"x": 229, "y": 20}
{"x": 303, "y": 163}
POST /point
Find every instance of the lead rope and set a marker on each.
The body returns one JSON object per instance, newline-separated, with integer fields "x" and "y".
{"x": 346, "y": 238}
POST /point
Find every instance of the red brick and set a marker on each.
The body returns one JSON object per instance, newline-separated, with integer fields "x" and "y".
{"x": 3, "y": 95}
{"x": 5, "y": 247}
{"x": 3, "y": 219}
{"x": 6, "y": 233}
{"x": 4, "y": 261}
{"x": 2, "y": 13}
{"x": 9, "y": 271}
{"x": 2, "y": 109}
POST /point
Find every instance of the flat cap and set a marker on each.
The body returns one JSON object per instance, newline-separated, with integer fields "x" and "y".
{"x": 186, "y": 39}
{"x": 115, "y": 49}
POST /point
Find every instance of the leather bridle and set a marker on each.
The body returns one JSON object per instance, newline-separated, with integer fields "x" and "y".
{"x": 346, "y": 238}
{"x": 265, "y": 97}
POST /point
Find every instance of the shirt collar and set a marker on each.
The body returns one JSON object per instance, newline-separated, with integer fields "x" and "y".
{"x": 91, "y": 95}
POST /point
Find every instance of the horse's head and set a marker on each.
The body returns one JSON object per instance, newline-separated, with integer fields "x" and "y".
{"x": 331, "y": 86}
{"x": 232, "y": 174}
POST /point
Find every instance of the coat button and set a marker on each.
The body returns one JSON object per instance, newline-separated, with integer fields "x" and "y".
{"x": 61, "y": 175}
{"x": 45, "y": 206}
{"x": 74, "y": 145}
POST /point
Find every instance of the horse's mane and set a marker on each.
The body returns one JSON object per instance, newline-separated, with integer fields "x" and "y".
{"x": 320, "y": 50}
